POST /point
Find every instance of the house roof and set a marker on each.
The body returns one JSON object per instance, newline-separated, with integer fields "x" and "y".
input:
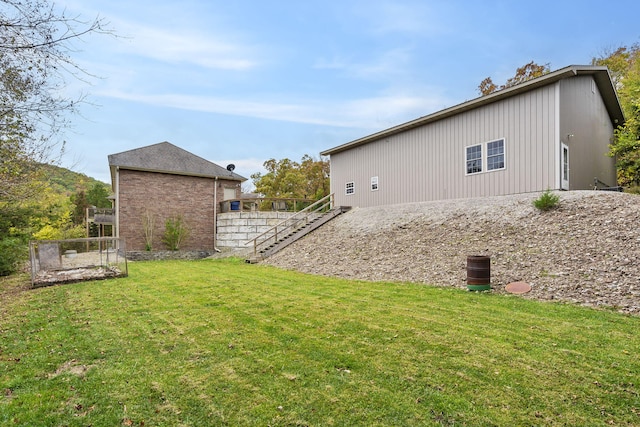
{"x": 599, "y": 73}
{"x": 165, "y": 157}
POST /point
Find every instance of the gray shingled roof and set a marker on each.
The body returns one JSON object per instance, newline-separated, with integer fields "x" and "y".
{"x": 167, "y": 158}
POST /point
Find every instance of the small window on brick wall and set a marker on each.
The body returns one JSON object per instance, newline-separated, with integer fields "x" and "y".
{"x": 350, "y": 188}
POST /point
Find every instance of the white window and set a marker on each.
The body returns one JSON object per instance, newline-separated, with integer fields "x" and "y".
{"x": 495, "y": 155}
{"x": 350, "y": 188}
{"x": 477, "y": 161}
{"x": 374, "y": 183}
{"x": 474, "y": 159}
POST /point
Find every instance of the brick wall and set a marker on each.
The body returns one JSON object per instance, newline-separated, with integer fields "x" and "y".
{"x": 164, "y": 195}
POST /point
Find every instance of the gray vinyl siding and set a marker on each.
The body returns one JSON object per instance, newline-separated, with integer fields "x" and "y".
{"x": 429, "y": 162}
{"x": 584, "y": 116}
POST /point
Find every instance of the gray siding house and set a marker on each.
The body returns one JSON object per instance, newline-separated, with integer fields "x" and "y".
{"x": 551, "y": 132}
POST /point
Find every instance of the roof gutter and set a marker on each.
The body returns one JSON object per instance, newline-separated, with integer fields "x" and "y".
{"x": 139, "y": 169}
{"x": 605, "y": 86}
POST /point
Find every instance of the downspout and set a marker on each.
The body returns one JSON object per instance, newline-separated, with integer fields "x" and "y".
{"x": 117, "y": 201}
{"x": 557, "y": 143}
{"x": 215, "y": 214}
{"x": 116, "y": 219}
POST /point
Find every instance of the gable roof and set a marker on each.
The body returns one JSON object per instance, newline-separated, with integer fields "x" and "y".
{"x": 165, "y": 157}
{"x": 600, "y": 75}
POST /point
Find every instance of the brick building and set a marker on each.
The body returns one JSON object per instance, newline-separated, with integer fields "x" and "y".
{"x": 160, "y": 181}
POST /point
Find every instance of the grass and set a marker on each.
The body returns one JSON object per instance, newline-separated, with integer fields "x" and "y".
{"x": 220, "y": 342}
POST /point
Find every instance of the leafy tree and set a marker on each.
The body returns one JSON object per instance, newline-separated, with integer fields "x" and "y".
{"x": 14, "y": 220}
{"x": 12, "y": 252}
{"x": 35, "y": 41}
{"x": 624, "y": 65}
{"x": 56, "y": 215}
{"x": 98, "y": 196}
{"x": 289, "y": 179}
{"x": 53, "y": 208}
{"x": 619, "y": 62}
{"x": 79, "y": 211}
{"x": 526, "y": 72}
{"x": 66, "y": 231}
{"x": 316, "y": 173}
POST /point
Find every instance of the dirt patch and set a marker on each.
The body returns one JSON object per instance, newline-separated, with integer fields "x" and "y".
{"x": 587, "y": 251}
{"x": 71, "y": 367}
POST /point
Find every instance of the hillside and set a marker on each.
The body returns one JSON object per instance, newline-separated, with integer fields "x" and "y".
{"x": 67, "y": 182}
{"x": 587, "y": 251}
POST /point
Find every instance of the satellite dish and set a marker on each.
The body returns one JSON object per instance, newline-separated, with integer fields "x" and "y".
{"x": 231, "y": 167}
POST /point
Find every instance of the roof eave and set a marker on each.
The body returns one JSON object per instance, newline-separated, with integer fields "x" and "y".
{"x": 234, "y": 177}
{"x": 606, "y": 89}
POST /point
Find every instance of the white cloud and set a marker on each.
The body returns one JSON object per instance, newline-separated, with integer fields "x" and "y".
{"x": 168, "y": 33}
{"x": 198, "y": 48}
{"x": 365, "y": 113}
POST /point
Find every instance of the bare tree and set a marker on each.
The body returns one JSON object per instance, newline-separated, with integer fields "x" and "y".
{"x": 35, "y": 67}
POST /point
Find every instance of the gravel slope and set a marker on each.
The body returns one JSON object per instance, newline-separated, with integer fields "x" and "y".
{"x": 586, "y": 251}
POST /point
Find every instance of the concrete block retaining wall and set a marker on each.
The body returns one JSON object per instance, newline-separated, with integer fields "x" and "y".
{"x": 235, "y": 229}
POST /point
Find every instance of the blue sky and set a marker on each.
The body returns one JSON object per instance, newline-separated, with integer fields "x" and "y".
{"x": 245, "y": 81}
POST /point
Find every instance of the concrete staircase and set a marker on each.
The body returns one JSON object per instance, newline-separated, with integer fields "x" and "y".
{"x": 290, "y": 230}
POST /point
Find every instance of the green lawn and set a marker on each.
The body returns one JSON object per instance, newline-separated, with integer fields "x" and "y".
{"x": 221, "y": 342}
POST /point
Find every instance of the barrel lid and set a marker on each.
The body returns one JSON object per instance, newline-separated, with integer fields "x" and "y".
{"x": 518, "y": 288}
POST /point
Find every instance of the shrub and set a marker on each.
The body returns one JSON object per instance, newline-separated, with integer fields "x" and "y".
{"x": 148, "y": 222}
{"x": 12, "y": 252}
{"x": 547, "y": 201}
{"x": 75, "y": 232}
{"x": 633, "y": 190}
{"x": 176, "y": 232}
{"x": 48, "y": 232}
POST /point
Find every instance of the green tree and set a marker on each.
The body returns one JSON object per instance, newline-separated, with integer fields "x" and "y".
{"x": 624, "y": 65}
{"x": 81, "y": 204}
{"x": 98, "y": 196}
{"x": 316, "y": 173}
{"x": 308, "y": 179}
{"x": 526, "y": 72}
{"x": 55, "y": 217}
{"x": 35, "y": 41}
{"x": 619, "y": 61}
{"x": 14, "y": 220}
